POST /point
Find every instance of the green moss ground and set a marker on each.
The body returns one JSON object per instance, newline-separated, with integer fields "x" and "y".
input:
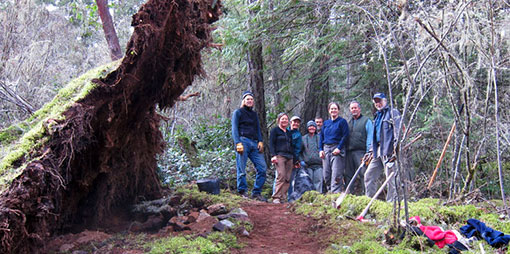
{"x": 214, "y": 243}
{"x": 17, "y": 141}
{"x": 191, "y": 194}
{"x": 368, "y": 237}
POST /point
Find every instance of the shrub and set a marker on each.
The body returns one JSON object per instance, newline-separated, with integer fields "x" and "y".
{"x": 215, "y": 153}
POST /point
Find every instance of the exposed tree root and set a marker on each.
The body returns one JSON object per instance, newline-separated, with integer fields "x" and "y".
{"x": 101, "y": 159}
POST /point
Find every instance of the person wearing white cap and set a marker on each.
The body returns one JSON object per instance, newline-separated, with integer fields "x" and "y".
{"x": 382, "y": 148}
{"x": 295, "y": 123}
{"x": 248, "y": 141}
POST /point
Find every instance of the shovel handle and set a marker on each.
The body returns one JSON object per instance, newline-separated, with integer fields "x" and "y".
{"x": 365, "y": 211}
{"x": 341, "y": 198}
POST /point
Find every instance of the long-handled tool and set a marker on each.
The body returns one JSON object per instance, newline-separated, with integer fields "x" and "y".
{"x": 433, "y": 177}
{"x": 365, "y": 211}
{"x": 443, "y": 152}
{"x": 339, "y": 200}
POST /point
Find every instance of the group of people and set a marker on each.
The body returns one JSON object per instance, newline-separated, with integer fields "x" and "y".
{"x": 331, "y": 151}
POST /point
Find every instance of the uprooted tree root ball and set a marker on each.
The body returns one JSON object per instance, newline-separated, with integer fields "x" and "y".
{"x": 101, "y": 158}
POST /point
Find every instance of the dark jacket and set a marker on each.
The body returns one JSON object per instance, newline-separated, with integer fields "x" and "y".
{"x": 477, "y": 228}
{"x": 296, "y": 141}
{"x": 280, "y": 143}
{"x": 386, "y": 125}
{"x": 245, "y": 123}
{"x": 310, "y": 150}
{"x": 360, "y": 134}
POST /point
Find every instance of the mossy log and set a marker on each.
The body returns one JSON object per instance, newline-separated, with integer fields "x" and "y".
{"x": 84, "y": 167}
{"x": 188, "y": 147}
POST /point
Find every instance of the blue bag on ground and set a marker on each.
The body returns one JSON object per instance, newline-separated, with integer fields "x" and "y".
{"x": 302, "y": 184}
{"x": 477, "y": 228}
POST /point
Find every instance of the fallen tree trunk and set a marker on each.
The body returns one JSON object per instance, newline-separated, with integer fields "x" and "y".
{"x": 100, "y": 158}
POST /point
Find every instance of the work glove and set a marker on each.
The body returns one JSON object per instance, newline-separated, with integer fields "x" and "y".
{"x": 392, "y": 158}
{"x": 260, "y": 146}
{"x": 240, "y": 148}
{"x": 367, "y": 157}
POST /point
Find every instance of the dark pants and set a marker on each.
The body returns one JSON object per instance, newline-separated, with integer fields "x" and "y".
{"x": 353, "y": 162}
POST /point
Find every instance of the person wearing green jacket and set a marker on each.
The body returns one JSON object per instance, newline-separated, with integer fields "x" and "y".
{"x": 358, "y": 145}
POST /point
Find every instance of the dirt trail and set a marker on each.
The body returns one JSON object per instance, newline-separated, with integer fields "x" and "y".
{"x": 278, "y": 230}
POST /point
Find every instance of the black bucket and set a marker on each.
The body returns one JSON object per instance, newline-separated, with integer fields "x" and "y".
{"x": 211, "y": 186}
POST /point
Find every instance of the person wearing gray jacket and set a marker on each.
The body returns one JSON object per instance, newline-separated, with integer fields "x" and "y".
{"x": 385, "y": 132}
{"x": 310, "y": 159}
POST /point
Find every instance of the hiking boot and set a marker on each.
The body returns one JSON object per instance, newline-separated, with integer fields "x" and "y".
{"x": 276, "y": 201}
{"x": 243, "y": 194}
{"x": 259, "y": 197}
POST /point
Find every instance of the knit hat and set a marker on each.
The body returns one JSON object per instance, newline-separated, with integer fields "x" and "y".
{"x": 311, "y": 123}
{"x": 379, "y": 96}
{"x": 247, "y": 93}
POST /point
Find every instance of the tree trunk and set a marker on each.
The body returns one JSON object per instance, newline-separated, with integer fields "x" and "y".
{"x": 109, "y": 30}
{"x": 276, "y": 74}
{"x": 317, "y": 87}
{"x": 276, "y": 62}
{"x": 255, "y": 67}
{"x": 256, "y": 71}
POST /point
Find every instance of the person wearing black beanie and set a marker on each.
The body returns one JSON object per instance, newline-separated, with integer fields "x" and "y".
{"x": 248, "y": 143}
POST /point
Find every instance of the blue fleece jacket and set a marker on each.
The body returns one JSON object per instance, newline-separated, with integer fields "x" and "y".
{"x": 334, "y": 132}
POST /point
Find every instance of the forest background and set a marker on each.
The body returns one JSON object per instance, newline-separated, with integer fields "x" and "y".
{"x": 444, "y": 65}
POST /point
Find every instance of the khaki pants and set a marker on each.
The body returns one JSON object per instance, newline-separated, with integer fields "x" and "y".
{"x": 374, "y": 171}
{"x": 284, "y": 170}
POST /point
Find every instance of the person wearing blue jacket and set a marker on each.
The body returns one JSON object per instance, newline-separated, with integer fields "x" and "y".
{"x": 295, "y": 123}
{"x": 386, "y": 123}
{"x": 248, "y": 142}
{"x": 333, "y": 139}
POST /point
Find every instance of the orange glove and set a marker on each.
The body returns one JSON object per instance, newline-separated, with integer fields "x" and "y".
{"x": 260, "y": 146}
{"x": 240, "y": 148}
{"x": 367, "y": 157}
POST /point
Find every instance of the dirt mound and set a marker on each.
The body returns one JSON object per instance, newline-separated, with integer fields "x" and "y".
{"x": 101, "y": 158}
